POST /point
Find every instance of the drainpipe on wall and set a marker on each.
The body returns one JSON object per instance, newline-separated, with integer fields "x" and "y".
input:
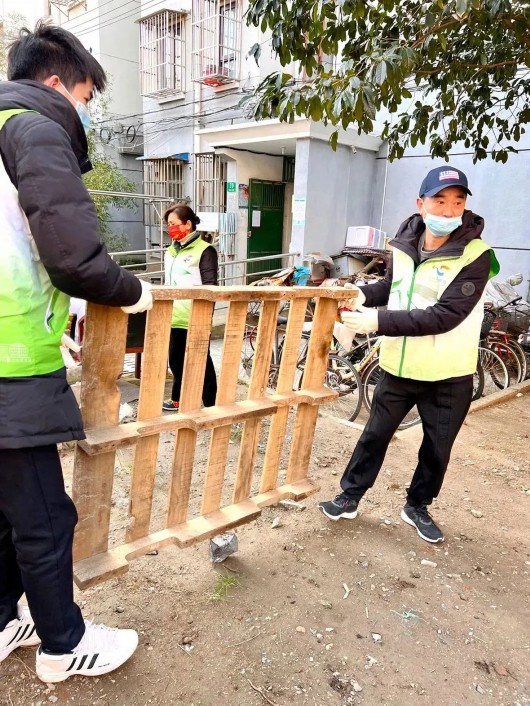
{"x": 384, "y": 193}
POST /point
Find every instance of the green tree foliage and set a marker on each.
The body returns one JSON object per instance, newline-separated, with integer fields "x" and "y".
{"x": 106, "y": 176}
{"x": 8, "y": 32}
{"x": 441, "y": 72}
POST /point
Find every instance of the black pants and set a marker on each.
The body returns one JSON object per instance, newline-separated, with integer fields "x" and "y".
{"x": 177, "y": 350}
{"x": 37, "y": 520}
{"x": 442, "y": 407}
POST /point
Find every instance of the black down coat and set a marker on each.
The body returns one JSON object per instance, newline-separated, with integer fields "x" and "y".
{"x": 44, "y": 154}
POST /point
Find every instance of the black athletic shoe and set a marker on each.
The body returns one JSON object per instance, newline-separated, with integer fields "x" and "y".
{"x": 342, "y": 506}
{"x": 419, "y": 518}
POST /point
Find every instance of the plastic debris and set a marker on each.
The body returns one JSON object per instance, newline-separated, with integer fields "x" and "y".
{"x": 292, "y": 505}
{"x": 223, "y": 546}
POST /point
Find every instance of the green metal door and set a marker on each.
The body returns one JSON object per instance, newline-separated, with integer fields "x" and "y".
{"x": 265, "y": 223}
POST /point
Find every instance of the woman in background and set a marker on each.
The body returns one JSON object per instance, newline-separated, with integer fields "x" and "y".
{"x": 188, "y": 261}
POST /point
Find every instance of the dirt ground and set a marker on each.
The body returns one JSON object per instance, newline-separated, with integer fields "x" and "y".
{"x": 319, "y": 613}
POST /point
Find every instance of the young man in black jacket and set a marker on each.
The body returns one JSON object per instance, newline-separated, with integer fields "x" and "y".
{"x": 50, "y": 249}
{"x": 429, "y": 349}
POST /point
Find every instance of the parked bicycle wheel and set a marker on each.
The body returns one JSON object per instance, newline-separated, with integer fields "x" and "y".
{"x": 521, "y": 355}
{"x": 247, "y": 351}
{"x": 478, "y": 383}
{"x": 371, "y": 377}
{"x": 341, "y": 377}
{"x": 510, "y": 360}
{"x": 495, "y": 374}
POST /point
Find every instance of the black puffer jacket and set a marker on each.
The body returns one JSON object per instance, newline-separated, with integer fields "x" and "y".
{"x": 44, "y": 154}
{"x": 458, "y": 300}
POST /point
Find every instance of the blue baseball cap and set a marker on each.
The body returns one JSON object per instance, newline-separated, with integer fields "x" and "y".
{"x": 442, "y": 177}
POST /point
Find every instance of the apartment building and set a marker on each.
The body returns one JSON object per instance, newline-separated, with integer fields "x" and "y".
{"x": 202, "y": 143}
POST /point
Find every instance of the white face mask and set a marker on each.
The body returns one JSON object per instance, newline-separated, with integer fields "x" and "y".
{"x": 440, "y": 226}
{"x": 82, "y": 110}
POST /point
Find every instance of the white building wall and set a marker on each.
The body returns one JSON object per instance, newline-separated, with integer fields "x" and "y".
{"x": 108, "y": 29}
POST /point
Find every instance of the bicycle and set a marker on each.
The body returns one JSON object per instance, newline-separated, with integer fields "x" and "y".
{"x": 495, "y": 335}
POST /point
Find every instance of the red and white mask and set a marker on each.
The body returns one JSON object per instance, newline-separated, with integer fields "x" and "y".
{"x": 177, "y": 232}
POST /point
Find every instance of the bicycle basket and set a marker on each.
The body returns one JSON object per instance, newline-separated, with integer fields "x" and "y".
{"x": 517, "y": 320}
{"x": 487, "y": 322}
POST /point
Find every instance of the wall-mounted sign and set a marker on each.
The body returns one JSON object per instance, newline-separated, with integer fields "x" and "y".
{"x": 243, "y": 196}
{"x": 231, "y": 187}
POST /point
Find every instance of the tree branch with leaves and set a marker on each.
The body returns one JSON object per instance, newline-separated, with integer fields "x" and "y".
{"x": 437, "y": 73}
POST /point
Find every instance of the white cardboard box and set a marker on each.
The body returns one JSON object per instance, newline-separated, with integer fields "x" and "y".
{"x": 359, "y": 236}
{"x": 346, "y": 265}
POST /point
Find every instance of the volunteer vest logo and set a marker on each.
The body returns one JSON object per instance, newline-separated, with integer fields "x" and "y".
{"x": 441, "y": 271}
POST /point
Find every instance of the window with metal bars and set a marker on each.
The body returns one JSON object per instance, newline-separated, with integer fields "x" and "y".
{"x": 210, "y": 183}
{"x": 216, "y": 41}
{"x": 162, "y": 54}
{"x": 162, "y": 177}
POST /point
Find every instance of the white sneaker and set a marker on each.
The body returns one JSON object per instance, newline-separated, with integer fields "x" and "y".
{"x": 101, "y": 650}
{"x": 20, "y": 632}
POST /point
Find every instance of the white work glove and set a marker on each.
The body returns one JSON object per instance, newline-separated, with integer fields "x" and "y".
{"x": 145, "y": 303}
{"x": 67, "y": 345}
{"x": 362, "y": 321}
{"x": 353, "y": 303}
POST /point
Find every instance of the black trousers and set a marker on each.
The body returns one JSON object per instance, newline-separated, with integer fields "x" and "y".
{"x": 442, "y": 407}
{"x": 177, "y": 350}
{"x": 37, "y": 520}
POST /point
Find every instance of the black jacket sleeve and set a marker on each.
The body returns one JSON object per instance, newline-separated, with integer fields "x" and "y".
{"x": 377, "y": 293}
{"x": 456, "y": 303}
{"x": 208, "y": 266}
{"x": 40, "y": 161}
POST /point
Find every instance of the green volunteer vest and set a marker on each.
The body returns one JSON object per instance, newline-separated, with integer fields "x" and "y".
{"x": 441, "y": 356}
{"x": 182, "y": 270}
{"x": 33, "y": 314}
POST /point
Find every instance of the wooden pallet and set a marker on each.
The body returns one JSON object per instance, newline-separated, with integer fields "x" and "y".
{"x": 104, "y": 348}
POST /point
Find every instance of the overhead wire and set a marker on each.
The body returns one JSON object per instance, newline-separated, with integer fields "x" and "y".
{"x": 83, "y": 20}
{"x": 113, "y": 20}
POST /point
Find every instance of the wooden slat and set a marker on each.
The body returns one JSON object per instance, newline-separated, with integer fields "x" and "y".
{"x": 197, "y": 345}
{"x": 115, "y": 562}
{"x": 257, "y": 388}
{"x": 286, "y": 375}
{"x": 227, "y": 390}
{"x": 102, "y": 440}
{"x": 107, "y": 439}
{"x": 156, "y": 346}
{"x": 314, "y": 373}
{"x": 111, "y": 564}
{"x": 248, "y": 294}
{"x": 103, "y": 353}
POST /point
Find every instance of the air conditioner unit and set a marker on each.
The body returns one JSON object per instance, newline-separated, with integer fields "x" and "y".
{"x": 131, "y": 140}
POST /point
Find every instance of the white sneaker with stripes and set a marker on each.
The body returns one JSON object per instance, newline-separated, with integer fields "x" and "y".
{"x": 20, "y": 632}
{"x": 101, "y": 650}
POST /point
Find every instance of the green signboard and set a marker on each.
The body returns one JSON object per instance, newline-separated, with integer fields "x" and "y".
{"x": 231, "y": 186}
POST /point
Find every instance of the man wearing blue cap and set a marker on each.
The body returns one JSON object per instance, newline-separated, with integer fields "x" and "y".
{"x": 430, "y": 329}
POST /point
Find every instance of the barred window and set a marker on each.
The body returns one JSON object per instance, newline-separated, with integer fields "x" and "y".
{"x": 162, "y": 54}
{"x": 216, "y": 41}
{"x": 162, "y": 177}
{"x": 210, "y": 183}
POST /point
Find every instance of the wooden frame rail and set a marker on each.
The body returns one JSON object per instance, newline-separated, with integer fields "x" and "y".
{"x": 103, "y": 354}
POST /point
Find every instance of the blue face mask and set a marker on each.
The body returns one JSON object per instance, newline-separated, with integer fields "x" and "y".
{"x": 82, "y": 110}
{"x": 84, "y": 115}
{"x": 440, "y": 226}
